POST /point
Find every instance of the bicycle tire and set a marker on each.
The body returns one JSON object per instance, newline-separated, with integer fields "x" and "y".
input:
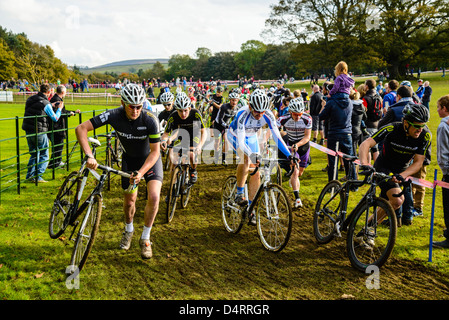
{"x": 62, "y": 205}
{"x": 86, "y": 234}
{"x": 372, "y": 247}
{"x": 274, "y": 218}
{"x": 231, "y": 213}
{"x": 185, "y": 195}
{"x": 173, "y": 193}
{"x": 326, "y": 213}
{"x": 167, "y": 161}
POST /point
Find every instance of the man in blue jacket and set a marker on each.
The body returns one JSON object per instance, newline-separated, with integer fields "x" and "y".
{"x": 338, "y": 112}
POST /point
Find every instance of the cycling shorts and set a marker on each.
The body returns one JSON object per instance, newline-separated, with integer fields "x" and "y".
{"x": 130, "y": 164}
{"x": 302, "y": 154}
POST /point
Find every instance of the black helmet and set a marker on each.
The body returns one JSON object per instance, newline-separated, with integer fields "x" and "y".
{"x": 416, "y": 113}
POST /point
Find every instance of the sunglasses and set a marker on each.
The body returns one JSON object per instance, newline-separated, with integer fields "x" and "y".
{"x": 298, "y": 114}
{"x": 416, "y": 126}
{"x": 258, "y": 112}
{"x": 134, "y": 107}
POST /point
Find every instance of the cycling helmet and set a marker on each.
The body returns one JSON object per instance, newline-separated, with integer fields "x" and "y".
{"x": 234, "y": 95}
{"x": 416, "y": 113}
{"x": 259, "y": 101}
{"x": 406, "y": 83}
{"x": 182, "y": 101}
{"x": 296, "y": 105}
{"x": 133, "y": 94}
{"x": 167, "y": 97}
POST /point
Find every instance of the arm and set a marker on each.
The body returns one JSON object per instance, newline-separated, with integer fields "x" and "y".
{"x": 49, "y": 111}
{"x": 364, "y": 150}
{"x": 418, "y": 160}
{"x": 81, "y": 134}
{"x": 149, "y": 162}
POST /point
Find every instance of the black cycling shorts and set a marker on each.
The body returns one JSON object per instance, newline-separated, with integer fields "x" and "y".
{"x": 130, "y": 164}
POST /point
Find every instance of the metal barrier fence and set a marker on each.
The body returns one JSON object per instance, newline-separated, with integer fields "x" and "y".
{"x": 93, "y": 98}
{"x": 15, "y": 155}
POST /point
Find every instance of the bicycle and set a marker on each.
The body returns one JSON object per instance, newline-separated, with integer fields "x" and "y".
{"x": 369, "y": 240}
{"x": 180, "y": 184}
{"x": 113, "y": 152}
{"x": 83, "y": 216}
{"x": 272, "y": 208}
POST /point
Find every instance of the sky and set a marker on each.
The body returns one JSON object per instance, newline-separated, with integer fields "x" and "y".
{"x": 93, "y": 33}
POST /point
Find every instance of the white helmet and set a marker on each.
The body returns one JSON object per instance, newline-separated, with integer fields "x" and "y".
{"x": 182, "y": 101}
{"x": 133, "y": 94}
{"x": 296, "y": 105}
{"x": 259, "y": 101}
{"x": 167, "y": 97}
{"x": 234, "y": 95}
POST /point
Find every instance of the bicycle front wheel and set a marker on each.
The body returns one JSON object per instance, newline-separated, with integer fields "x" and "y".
{"x": 327, "y": 211}
{"x": 86, "y": 234}
{"x": 185, "y": 195}
{"x": 369, "y": 241}
{"x": 173, "y": 193}
{"x": 231, "y": 212}
{"x": 274, "y": 218}
{"x": 62, "y": 205}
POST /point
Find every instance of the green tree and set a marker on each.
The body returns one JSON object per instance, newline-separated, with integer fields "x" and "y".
{"x": 250, "y": 56}
{"x": 7, "y": 61}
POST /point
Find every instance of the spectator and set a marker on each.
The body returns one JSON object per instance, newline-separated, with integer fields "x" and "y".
{"x": 37, "y": 107}
{"x": 358, "y": 115}
{"x": 343, "y": 83}
{"x": 338, "y": 112}
{"x": 426, "y": 95}
{"x": 390, "y": 96}
{"x": 315, "y": 107}
{"x": 420, "y": 90}
{"x": 372, "y": 122}
{"x": 57, "y": 137}
{"x": 443, "y": 162}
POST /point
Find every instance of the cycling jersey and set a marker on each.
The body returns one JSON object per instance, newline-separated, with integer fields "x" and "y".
{"x": 218, "y": 100}
{"x": 225, "y": 115}
{"x": 134, "y": 135}
{"x": 192, "y": 126}
{"x": 398, "y": 149}
{"x": 295, "y": 129}
{"x": 245, "y": 126}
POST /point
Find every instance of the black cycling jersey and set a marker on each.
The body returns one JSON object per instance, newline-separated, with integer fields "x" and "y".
{"x": 134, "y": 135}
{"x": 397, "y": 148}
{"x": 225, "y": 115}
{"x": 218, "y": 100}
{"x": 165, "y": 114}
{"x": 192, "y": 126}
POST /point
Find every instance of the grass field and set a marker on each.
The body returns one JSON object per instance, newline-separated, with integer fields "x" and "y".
{"x": 196, "y": 259}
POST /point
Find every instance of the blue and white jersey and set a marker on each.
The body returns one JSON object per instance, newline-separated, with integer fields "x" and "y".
{"x": 245, "y": 126}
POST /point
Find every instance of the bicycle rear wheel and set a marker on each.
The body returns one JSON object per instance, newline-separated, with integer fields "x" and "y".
{"x": 62, "y": 205}
{"x": 327, "y": 211}
{"x": 173, "y": 194}
{"x": 369, "y": 242}
{"x": 231, "y": 212}
{"x": 274, "y": 218}
{"x": 86, "y": 234}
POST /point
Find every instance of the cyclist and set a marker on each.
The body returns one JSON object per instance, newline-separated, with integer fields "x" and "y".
{"x": 242, "y": 135}
{"x": 221, "y": 123}
{"x": 297, "y": 129}
{"x": 186, "y": 129}
{"x": 139, "y": 135}
{"x": 166, "y": 99}
{"x": 403, "y": 151}
{"x": 216, "y": 101}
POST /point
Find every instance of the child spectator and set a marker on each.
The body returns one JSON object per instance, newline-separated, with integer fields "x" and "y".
{"x": 343, "y": 83}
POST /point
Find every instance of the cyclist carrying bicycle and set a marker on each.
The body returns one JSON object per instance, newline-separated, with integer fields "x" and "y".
{"x": 297, "y": 129}
{"x": 242, "y": 135}
{"x": 403, "y": 151}
{"x": 186, "y": 129}
{"x": 138, "y": 132}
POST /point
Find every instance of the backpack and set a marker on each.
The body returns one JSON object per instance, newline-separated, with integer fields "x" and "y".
{"x": 373, "y": 107}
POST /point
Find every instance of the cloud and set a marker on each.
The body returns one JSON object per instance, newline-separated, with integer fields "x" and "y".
{"x": 96, "y": 32}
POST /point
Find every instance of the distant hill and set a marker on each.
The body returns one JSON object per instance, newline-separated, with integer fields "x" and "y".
{"x": 125, "y": 66}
